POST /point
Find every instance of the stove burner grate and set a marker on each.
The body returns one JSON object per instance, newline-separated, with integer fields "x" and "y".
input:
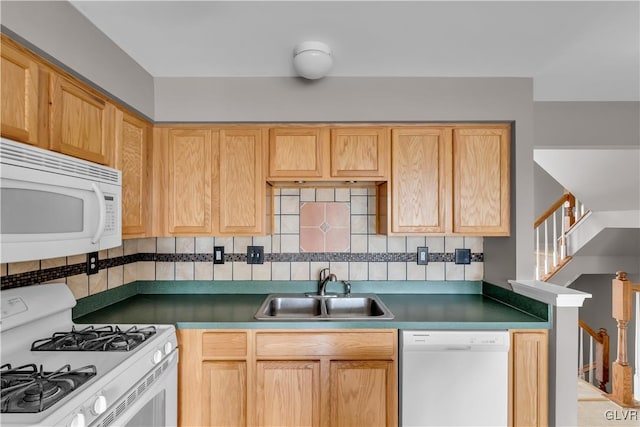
{"x": 27, "y": 389}
{"x": 105, "y": 338}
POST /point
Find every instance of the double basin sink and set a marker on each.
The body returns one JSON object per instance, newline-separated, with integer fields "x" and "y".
{"x": 319, "y": 307}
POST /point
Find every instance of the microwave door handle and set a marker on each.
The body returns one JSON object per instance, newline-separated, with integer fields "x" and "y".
{"x": 102, "y": 207}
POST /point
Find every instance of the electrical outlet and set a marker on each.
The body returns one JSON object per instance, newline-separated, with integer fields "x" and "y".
{"x": 255, "y": 254}
{"x": 463, "y": 256}
{"x": 218, "y": 254}
{"x": 423, "y": 255}
{"x": 92, "y": 263}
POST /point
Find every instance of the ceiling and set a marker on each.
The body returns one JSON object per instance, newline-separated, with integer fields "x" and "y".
{"x": 573, "y": 50}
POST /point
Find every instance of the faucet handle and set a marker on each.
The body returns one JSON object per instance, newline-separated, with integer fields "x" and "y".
{"x": 347, "y": 287}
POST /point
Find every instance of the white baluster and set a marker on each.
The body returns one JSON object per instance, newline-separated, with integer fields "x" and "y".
{"x": 591, "y": 370}
{"x": 563, "y": 243}
{"x": 546, "y": 247}
{"x": 636, "y": 377}
{"x": 555, "y": 242}
{"x": 538, "y": 253}
{"x": 580, "y": 355}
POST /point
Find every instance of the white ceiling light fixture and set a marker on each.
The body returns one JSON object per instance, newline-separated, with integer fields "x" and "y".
{"x": 312, "y": 60}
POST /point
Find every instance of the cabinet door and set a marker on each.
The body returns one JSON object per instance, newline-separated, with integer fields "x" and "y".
{"x": 481, "y": 181}
{"x": 288, "y": 393}
{"x": 528, "y": 383}
{"x": 224, "y": 393}
{"x": 19, "y": 95}
{"x": 296, "y": 152}
{"x": 359, "y": 152}
{"x": 242, "y": 182}
{"x": 362, "y": 393}
{"x": 132, "y": 136}
{"x": 190, "y": 162}
{"x": 82, "y": 124}
{"x": 419, "y": 169}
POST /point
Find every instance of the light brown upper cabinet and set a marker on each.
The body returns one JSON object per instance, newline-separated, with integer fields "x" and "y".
{"x": 359, "y": 152}
{"x": 243, "y": 203}
{"x": 324, "y": 153}
{"x": 19, "y": 95}
{"x": 481, "y": 181}
{"x": 297, "y": 152}
{"x": 210, "y": 181}
{"x": 185, "y": 161}
{"x": 131, "y": 157}
{"x": 447, "y": 180}
{"x": 82, "y": 124}
{"x": 420, "y": 165}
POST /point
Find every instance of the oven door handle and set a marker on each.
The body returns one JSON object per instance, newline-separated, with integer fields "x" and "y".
{"x": 102, "y": 207}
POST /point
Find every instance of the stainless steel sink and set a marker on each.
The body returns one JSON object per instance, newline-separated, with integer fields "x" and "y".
{"x": 329, "y": 307}
{"x": 295, "y": 307}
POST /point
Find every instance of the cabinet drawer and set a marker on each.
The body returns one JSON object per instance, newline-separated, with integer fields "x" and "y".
{"x": 224, "y": 344}
{"x": 374, "y": 344}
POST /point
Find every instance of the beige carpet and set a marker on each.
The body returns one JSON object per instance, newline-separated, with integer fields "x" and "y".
{"x": 596, "y": 410}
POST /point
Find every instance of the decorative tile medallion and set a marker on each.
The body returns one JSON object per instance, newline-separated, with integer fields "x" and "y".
{"x": 325, "y": 227}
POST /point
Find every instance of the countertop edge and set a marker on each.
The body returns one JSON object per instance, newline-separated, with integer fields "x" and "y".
{"x": 317, "y": 325}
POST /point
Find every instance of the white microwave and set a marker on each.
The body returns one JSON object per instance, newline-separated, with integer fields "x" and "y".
{"x": 53, "y": 205}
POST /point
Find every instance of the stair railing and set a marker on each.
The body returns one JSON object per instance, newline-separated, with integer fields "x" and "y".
{"x": 551, "y": 235}
{"x": 598, "y": 369}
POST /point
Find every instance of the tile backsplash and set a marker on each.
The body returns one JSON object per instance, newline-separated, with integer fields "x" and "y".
{"x": 313, "y": 229}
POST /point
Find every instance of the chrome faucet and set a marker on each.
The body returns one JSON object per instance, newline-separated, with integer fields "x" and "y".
{"x": 325, "y": 277}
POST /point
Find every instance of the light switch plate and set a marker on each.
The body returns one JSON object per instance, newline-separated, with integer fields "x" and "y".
{"x": 218, "y": 254}
{"x": 255, "y": 254}
{"x": 423, "y": 255}
{"x": 463, "y": 256}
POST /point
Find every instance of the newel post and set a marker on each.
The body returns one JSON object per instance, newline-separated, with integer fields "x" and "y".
{"x": 569, "y": 210}
{"x": 622, "y": 391}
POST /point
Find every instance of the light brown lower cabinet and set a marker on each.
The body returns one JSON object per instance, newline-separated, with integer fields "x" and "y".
{"x": 324, "y": 378}
{"x": 288, "y": 378}
{"x": 528, "y": 378}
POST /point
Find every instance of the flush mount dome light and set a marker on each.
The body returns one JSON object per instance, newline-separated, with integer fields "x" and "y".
{"x": 312, "y": 60}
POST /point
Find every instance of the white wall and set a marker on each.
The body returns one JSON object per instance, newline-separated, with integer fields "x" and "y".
{"x": 59, "y": 31}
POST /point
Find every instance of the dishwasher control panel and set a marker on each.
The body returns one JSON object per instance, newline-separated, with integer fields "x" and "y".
{"x": 452, "y": 340}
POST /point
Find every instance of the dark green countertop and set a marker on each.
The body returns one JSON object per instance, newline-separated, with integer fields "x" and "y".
{"x": 411, "y": 311}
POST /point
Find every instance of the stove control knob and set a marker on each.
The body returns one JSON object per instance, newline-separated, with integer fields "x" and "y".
{"x": 78, "y": 420}
{"x": 100, "y": 405}
{"x": 168, "y": 346}
{"x": 157, "y": 357}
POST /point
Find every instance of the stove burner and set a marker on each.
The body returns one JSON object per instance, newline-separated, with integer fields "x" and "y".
{"x": 29, "y": 389}
{"x": 42, "y": 389}
{"x": 105, "y": 338}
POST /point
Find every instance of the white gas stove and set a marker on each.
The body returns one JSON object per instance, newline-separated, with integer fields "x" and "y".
{"x": 57, "y": 373}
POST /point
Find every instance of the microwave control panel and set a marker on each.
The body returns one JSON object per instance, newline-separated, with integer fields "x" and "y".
{"x": 112, "y": 212}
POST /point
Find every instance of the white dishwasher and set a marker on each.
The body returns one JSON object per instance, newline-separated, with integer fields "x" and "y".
{"x": 454, "y": 378}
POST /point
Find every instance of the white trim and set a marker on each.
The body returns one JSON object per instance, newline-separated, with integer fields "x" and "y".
{"x": 549, "y": 293}
{"x": 636, "y": 377}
